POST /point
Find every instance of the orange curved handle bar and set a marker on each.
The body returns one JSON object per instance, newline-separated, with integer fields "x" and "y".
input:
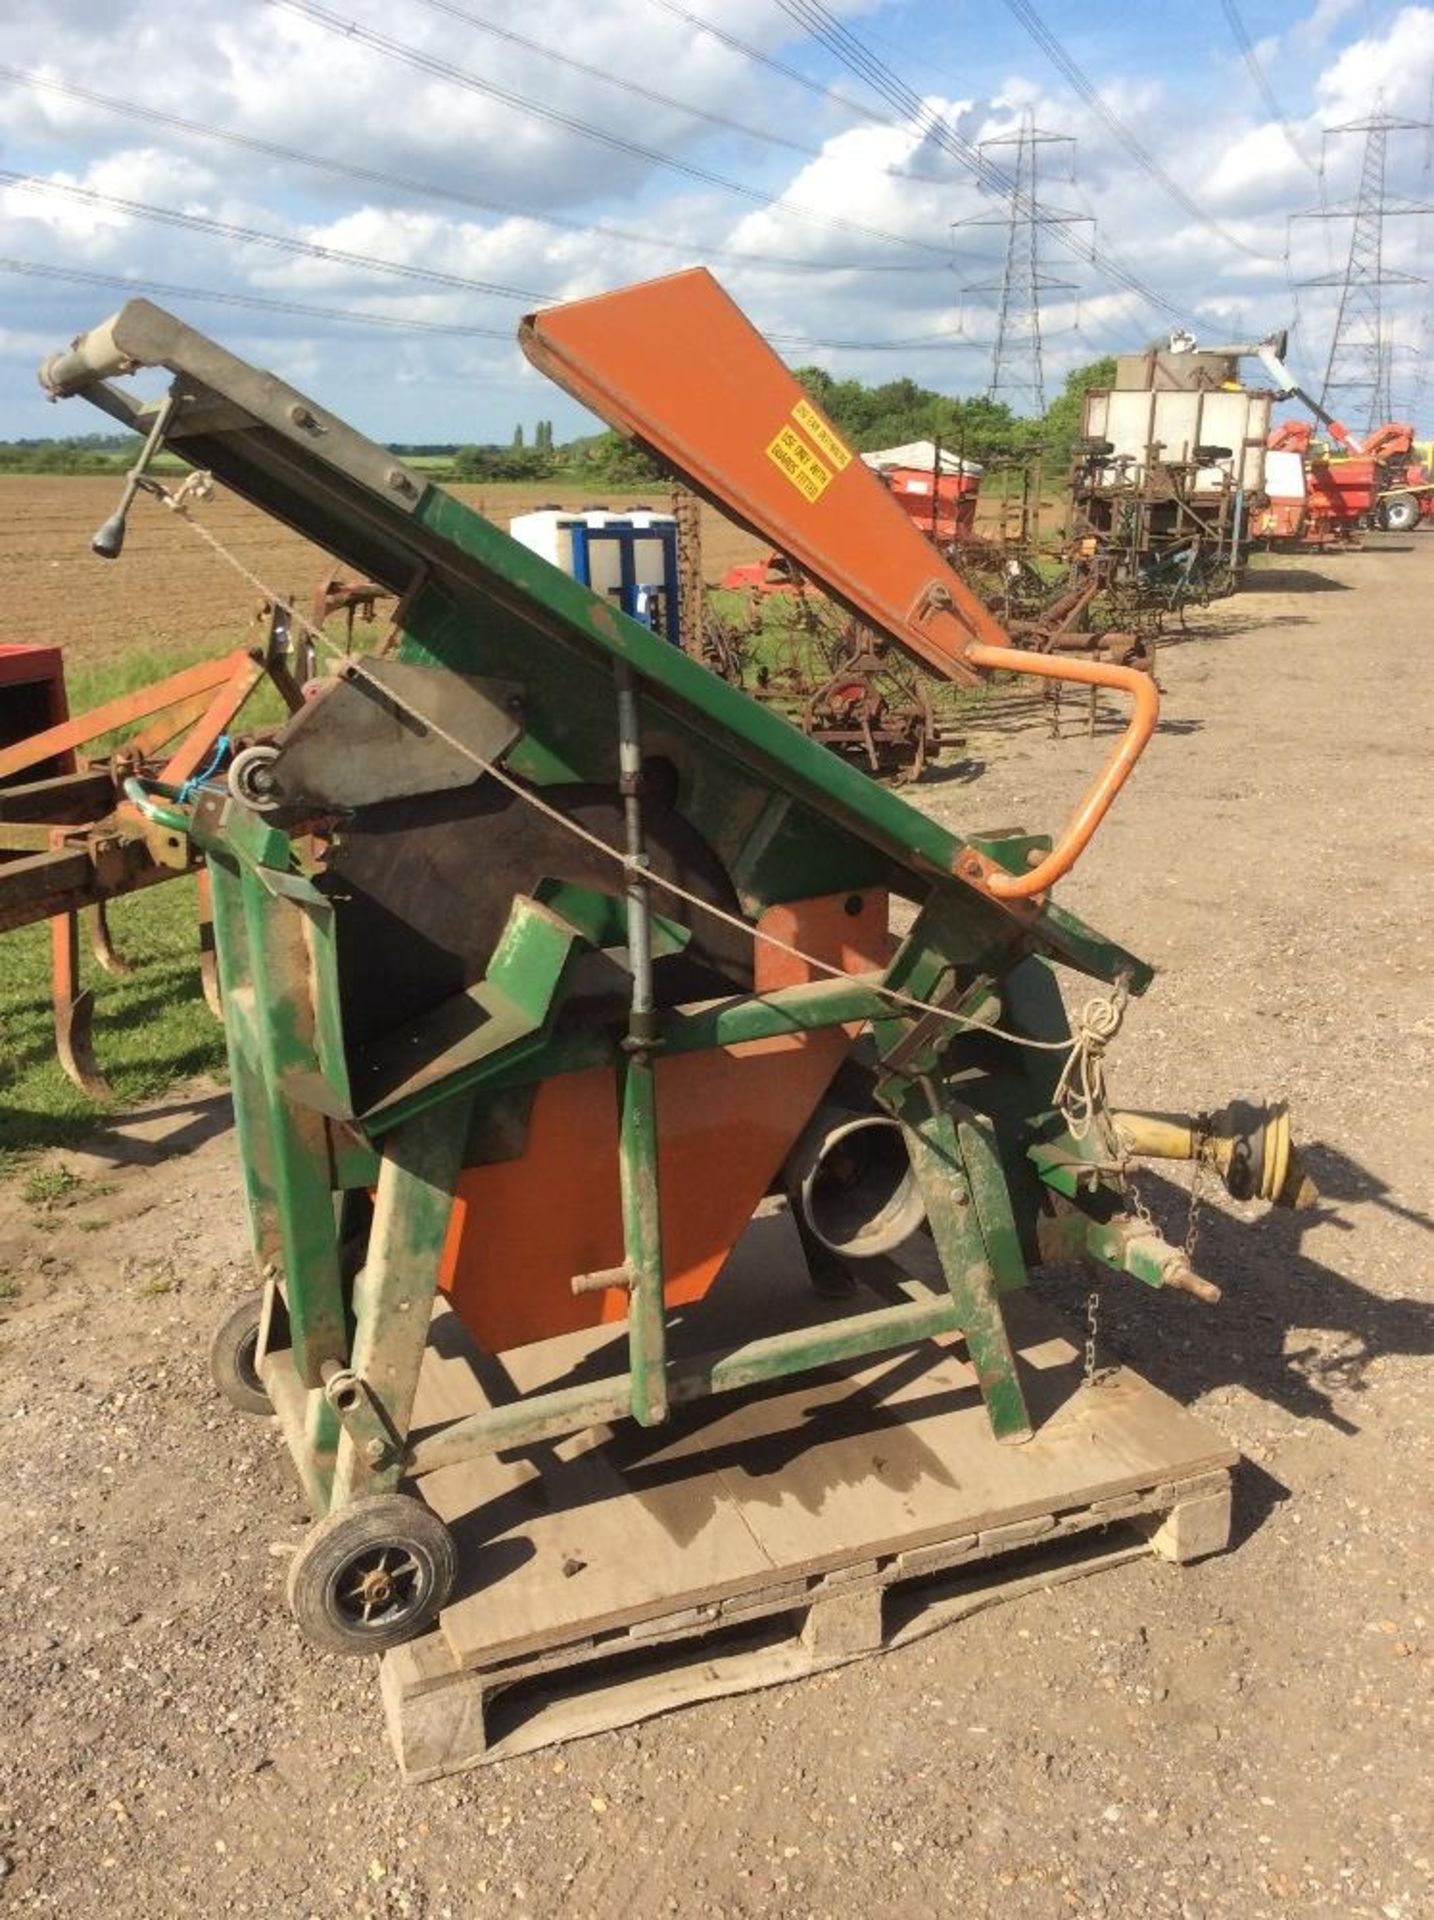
{"x": 1113, "y": 776}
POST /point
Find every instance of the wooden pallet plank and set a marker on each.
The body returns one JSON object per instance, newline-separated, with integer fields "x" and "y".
{"x": 439, "y": 1727}
{"x": 620, "y": 1528}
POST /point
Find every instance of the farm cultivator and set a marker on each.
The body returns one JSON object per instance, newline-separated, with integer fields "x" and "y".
{"x": 1171, "y": 458}
{"x": 70, "y": 839}
{"x": 546, "y": 956}
{"x": 835, "y": 677}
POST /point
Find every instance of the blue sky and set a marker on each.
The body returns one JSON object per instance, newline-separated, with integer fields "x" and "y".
{"x": 434, "y": 167}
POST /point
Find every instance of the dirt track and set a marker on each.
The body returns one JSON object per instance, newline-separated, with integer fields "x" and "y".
{"x": 1249, "y": 1736}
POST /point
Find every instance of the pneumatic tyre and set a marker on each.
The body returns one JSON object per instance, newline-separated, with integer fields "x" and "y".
{"x": 234, "y": 1357}
{"x": 370, "y": 1576}
{"x": 1399, "y": 516}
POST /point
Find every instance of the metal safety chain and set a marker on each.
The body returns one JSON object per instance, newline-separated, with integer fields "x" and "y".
{"x": 1092, "y": 1336}
{"x": 1199, "y": 1168}
{"x": 1138, "y": 1211}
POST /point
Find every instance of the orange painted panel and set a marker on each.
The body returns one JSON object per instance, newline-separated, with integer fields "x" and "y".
{"x": 678, "y": 364}
{"x": 522, "y": 1228}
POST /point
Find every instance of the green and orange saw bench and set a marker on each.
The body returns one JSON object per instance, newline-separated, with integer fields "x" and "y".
{"x": 547, "y": 957}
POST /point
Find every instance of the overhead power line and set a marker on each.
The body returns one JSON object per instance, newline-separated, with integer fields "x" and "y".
{"x": 651, "y": 94}
{"x": 764, "y": 59}
{"x": 445, "y": 70}
{"x": 859, "y": 59}
{"x": 282, "y": 242}
{"x": 348, "y": 316}
{"x": 1262, "y": 83}
{"x": 1028, "y": 17}
{"x": 434, "y": 190}
{"x": 919, "y": 343}
{"x": 621, "y": 81}
{"x": 396, "y": 323}
{"x": 201, "y": 223}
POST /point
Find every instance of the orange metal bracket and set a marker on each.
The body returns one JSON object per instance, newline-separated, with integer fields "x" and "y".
{"x": 245, "y": 672}
{"x": 1113, "y": 776}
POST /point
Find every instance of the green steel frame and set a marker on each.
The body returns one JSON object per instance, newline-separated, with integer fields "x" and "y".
{"x": 344, "y": 1331}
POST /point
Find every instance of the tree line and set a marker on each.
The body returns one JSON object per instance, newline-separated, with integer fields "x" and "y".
{"x": 975, "y": 428}
{"x": 887, "y": 415}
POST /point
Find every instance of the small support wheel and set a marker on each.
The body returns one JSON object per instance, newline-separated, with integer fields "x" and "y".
{"x": 251, "y": 779}
{"x": 370, "y": 1576}
{"x": 234, "y": 1357}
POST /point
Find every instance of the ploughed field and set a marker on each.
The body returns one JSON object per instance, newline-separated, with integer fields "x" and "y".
{"x": 168, "y": 592}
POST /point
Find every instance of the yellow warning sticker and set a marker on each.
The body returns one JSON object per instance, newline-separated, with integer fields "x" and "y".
{"x": 826, "y": 439}
{"x": 801, "y": 466}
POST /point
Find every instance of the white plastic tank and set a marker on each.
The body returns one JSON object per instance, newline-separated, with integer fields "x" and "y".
{"x": 629, "y": 557}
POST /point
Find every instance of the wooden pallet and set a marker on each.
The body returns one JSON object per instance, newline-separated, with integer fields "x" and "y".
{"x": 763, "y": 1537}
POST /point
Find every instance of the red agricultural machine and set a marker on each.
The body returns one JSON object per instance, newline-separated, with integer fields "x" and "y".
{"x": 1322, "y": 495}
{"x": 932, "y": 486}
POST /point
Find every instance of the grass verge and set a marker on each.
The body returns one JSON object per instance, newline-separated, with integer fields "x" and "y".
{"x": 151, "y": 1026}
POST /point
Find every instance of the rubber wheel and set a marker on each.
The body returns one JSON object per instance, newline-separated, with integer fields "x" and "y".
{"x": 372, "y": 1575}
{"x": 234, "y": 1354}
{"x": 1399, "y": 516}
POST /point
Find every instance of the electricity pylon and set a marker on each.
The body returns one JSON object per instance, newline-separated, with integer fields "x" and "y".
{"x": 1360, "y": 348}
{"x": 1017, "y": 373}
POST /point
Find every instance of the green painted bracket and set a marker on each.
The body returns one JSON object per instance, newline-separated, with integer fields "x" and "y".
{"x": 601, "y": 918}
{"x": 1012, "y": 850}
{"x": 1065, "y": 1169}
{"x": 1095, "y": 1225}
{"x": 505, "y": 1013}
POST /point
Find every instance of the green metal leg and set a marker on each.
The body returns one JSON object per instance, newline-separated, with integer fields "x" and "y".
{"x": 937, "y": 1160}
{"x": 642, "y": 1243}
{"x": 393, "y": 1294}
{"x": 309, "y": 1246}
{"x": 991, "y": 1197}
{"x": 321, "y": 1427}
{"x": 300, "y": 1158}
{"x": 246, "y": 1080}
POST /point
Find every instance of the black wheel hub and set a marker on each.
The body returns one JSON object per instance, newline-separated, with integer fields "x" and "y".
{"x": 380, "y": 1588}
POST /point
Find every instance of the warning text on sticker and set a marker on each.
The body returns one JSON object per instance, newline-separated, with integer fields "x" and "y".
{"x": 796, "y": 460}
{"x": 826, "y": 439}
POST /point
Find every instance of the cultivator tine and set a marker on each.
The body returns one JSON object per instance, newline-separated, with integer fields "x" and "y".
{"x": 74, "y": 1007}
{"x": 208, "y": 956}
{"x": 101, "y": 942}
